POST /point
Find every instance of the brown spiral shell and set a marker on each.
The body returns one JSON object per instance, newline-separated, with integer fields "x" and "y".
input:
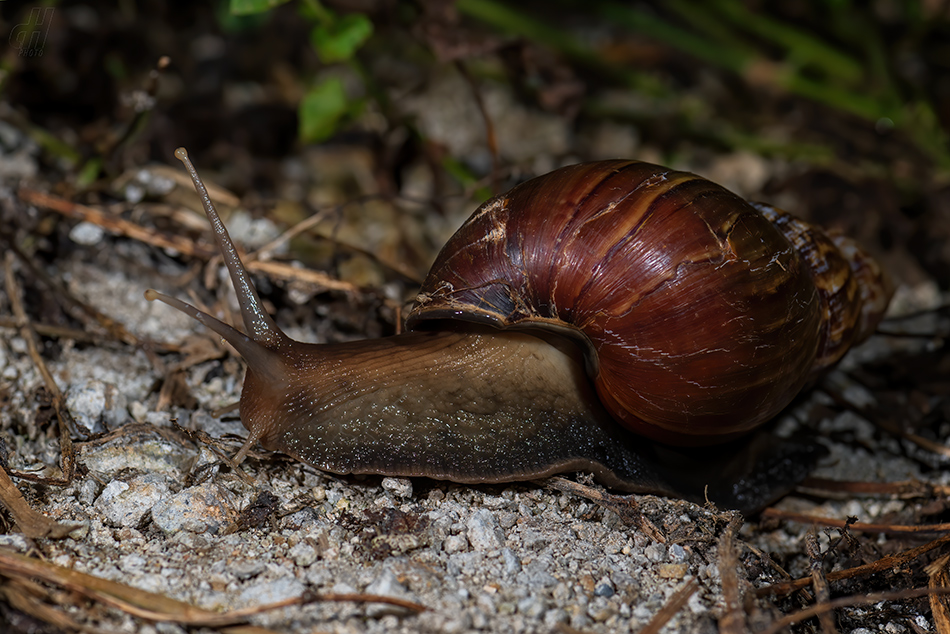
{"x": 702, "y": 316}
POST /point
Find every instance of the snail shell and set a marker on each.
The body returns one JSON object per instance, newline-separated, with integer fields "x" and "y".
{"x": 600, "y": 293}
{"x": 702, "y": 316}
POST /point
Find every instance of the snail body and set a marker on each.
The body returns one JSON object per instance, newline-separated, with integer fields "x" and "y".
{"x": 566, "y": 323}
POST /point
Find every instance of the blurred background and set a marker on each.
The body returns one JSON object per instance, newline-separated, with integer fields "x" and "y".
{"x": 398, "y": 118}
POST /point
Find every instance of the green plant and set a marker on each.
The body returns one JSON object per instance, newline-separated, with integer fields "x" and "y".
{"x": 336, "y": 39}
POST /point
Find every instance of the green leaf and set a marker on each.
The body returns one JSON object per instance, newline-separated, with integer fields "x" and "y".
{"x": 321, "y": 110}
{"x": 249, "y": 7}
{"x": 466, "y": 178}
{"x": 89, "y": 172}
{"x": 339, "y": 39}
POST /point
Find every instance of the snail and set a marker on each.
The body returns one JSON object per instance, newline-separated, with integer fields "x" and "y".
{"x": 614, "y": 317}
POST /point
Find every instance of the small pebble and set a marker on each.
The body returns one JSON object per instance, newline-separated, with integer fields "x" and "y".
{"x": 677, "y": 553}
{"x": 88, "y": 491}
{"x": 400, "y": 487}
{"x": 303, "y": 554}
{"x": 455, "y": 544}
{"x": 555, "y": 617}
{"x": 245, "y": 569}
{"x": 604, "y": 589}
{"x": 484, "y": 532}
{"x": 672, "y": 571}
{"x": 87, "y": 234}
{"x": 127, "y": 503}
{"x": 155, "y": 182}
{"x": 14, "y": 542}
{"x": 271, "y": 592}
{"x": 655, "y": 552}
{"x": 512, "y": 563}
{"x": 532, "y": 607}
{"x": 206, "y": 508}
{"x": 387, "y": 585}
{"x": 98, "y": 406}
{"x": 152, "y": 454}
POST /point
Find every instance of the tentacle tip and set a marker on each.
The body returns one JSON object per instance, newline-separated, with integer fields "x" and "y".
{"x": 151, "y": 295}
{"x": 181, "y": 154}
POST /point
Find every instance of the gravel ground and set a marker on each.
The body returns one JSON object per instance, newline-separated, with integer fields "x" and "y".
{"x": 159, "y": 510}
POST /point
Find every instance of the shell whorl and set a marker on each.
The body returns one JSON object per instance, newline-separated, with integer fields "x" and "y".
{"x": 852, "y": 289}
{"x": 700, "y": 318}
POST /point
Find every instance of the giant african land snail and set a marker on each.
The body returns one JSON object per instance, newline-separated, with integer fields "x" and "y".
{"x": 567, "y": 320}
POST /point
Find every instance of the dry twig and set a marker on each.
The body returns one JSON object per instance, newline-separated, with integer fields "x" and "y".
{"x": 892, "y": 529}
{"x": 733, "y": 618}
{"x": 940, "y": 582}
{"x": 669, "y": 610}
{"x": 63, "y": 417}
{"x": 156, "y": 607}
{"x": 881, "y": 565}
{"x": 181, "y": 244}
{"x": 781, "y": 624}
{"x": 624, "y": 506}
{"x": 819, "y": 582}
{"x": 30, "y": 522}
{"x": 904, "y": 489}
